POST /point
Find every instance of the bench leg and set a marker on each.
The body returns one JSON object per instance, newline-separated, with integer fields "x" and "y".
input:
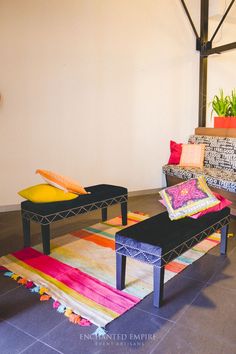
{"x": 104, "y": 214}
{"x": 224, "y": 239}
{"x": 26, "y": 232}
{"x": 158, "y": 285}
{"x": 124, "y": 211}
{"x": 120, "y": 271}
{"x": 45, "y": 229}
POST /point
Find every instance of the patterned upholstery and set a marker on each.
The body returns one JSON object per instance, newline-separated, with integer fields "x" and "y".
{"x": 215, "y": 177}
{"x": 219, "y": 163}
{"x": 219, "y": 152}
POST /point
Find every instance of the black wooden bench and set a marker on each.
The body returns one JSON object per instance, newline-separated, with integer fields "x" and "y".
{"x": 158, "y": 240}
{"x": 101, "y": 196}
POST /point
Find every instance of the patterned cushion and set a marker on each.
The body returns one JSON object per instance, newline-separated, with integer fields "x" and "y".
{"x": 188, "y": 198}
{"x": 215, "y": 177}
{"x": 219, "y": 152}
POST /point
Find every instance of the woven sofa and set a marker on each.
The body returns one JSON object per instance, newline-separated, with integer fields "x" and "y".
{"x": 219, "y": 166}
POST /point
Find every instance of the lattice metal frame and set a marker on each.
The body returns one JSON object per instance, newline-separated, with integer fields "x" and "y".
{"x": 64, "y": 214}
{"x": 159, "y": 260}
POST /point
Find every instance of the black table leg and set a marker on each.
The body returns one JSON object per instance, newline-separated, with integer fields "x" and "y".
{"x": 124, "y": 210}
{"x": 26, "y": 232}
{"x": 120, "y": 271}
{"x": 158, "y": 285}
{"x": 224, "y": 239}
{"x": 45, "y": 229}
{"x": 104, "y": 214}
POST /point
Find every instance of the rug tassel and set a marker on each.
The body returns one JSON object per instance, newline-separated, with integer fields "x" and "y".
{"x": 43, "y": 290}
{"x": 85, "y": 322}
{"x": 76, "y": 319}
{"x": 22, "y": 281}
{"x": 61, "y": 309}
{"x": 56, "y": 304}
{"x": 15, "y": 276}
{"x": 29, "y": 285}
{"x": 68, "y": 312}
{"x": 35, "y": 289}
{"x": 8, "y": 274}
{"x": 45, "y": 297}
{"x": 100, "y": 332}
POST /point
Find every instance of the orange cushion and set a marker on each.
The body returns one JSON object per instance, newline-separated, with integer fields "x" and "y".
{"x": 192, "y": 155}
{"x": 62, "y": 182}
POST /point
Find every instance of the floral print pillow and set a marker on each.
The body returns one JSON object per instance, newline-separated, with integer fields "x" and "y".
{"x": 188, "y": 198}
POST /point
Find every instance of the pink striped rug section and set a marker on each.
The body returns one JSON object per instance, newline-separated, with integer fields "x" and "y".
{"x": 86, "y": 285}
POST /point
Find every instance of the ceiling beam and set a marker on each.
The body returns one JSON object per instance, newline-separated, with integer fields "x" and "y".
{"x": 220, "y": 49}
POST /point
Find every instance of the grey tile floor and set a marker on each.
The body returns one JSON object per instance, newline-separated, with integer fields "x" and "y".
{"x": 198, "y": 316}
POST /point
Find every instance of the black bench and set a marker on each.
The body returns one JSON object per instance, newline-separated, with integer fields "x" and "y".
{"x": 102, "y": 196}
{"x": 158, "y": 240}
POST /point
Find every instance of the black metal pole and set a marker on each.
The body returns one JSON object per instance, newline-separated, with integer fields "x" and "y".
{"x": 190, "y": 18}
{"x": 221, "y": 48}
{"x": 202, "y": 91}
{"x": 203, "y": 63}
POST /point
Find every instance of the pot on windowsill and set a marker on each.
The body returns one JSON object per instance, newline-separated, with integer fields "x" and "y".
{"x": 225, "y": 122}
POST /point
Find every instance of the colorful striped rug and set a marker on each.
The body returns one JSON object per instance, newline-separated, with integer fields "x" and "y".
{"x": 79, "y": 274}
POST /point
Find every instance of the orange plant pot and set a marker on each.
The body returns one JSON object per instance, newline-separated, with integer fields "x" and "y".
{"x": 224, "y": 122}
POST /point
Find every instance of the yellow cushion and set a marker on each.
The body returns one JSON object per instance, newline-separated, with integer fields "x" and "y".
{"x": 192, "y": 155}
{"x": 62, "y": 182}
{"x": 44, "y": 193}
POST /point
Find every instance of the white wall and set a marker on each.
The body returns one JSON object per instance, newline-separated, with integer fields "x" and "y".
{"x": 93, "y": 89}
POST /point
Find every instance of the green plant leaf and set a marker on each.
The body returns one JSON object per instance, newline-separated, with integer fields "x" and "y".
{"x": 232, "y": 100}
{"x": 221, "y": 104}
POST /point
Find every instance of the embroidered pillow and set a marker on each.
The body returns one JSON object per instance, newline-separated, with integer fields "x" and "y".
{"x": 192, "y": 155}
{"x": 175, "y": 153}
{"x": 44, "y": 193}
{"x": 62, "y": 182}
{"x": 223, "y": 204}
{"x": 188, "y": 198}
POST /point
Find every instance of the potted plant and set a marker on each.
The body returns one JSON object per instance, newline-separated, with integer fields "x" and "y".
{"x": 225, "y": 108}
{"x": 232, "y": 99}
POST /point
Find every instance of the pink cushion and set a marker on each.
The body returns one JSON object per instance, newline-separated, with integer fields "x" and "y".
{"x": 223, "y": 204}
{"x": 175, "y": 153}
